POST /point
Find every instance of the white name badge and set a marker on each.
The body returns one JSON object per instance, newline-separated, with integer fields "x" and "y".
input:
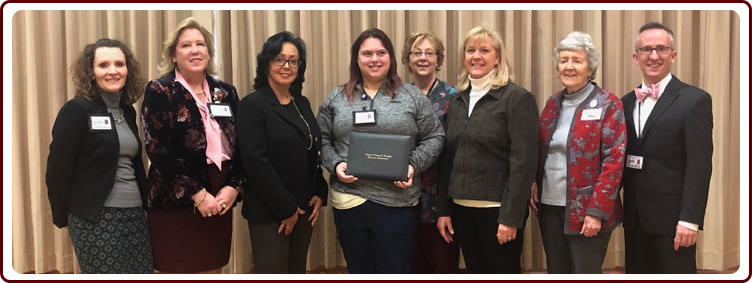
{"x": 220, "y": 110}
{"x": 100, "y": 122}
{"x": 634, "y": 161}
{"x": 364, "y": 117}
{"x": 591, "y": 114}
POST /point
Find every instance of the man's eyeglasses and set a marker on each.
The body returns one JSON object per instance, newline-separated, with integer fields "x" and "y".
{"x": 280, "y": 61}
{"x": 660, "y": 50}
{"x": 428, "y": 54}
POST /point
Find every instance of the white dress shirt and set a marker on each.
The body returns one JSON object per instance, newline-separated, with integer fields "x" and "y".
{"x": 640, "y": 115}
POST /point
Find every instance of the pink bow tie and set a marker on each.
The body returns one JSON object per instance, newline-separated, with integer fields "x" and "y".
{"x": 653, "y": 92}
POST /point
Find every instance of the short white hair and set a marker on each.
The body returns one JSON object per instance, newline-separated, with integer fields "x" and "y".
{"x": 579, "y": 41}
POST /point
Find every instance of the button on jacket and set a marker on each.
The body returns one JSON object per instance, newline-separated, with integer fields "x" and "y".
{"x": 492, "y": 154}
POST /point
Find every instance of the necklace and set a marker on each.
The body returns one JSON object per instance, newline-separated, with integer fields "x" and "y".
{"x": 119, "y": 118}
{"x": 310, "y": 135}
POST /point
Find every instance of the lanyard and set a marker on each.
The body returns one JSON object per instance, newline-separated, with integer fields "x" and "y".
{"x": 364, "y": 96}
{"x": 436, "y": 80}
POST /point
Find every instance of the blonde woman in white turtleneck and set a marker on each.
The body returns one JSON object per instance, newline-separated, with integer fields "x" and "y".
{"x": 490, "y": 159}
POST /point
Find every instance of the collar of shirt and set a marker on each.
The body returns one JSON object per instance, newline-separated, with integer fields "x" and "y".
{"x": 662, "y": 84}
{"x": 201, "y": 103}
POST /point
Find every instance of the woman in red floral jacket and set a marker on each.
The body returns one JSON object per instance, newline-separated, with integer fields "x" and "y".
{"x": 195, "y": 176}
{"x": 582, "y": 139}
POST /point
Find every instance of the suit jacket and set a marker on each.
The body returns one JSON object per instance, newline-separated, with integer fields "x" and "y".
{"x": 491, "y": 155}
{"x": 282, "y": 173}
{"x": 175, "y": 140}
{"x": 82, "y": 164}
{"x": 677, "y": 150}
{"x": 595, "y": 159}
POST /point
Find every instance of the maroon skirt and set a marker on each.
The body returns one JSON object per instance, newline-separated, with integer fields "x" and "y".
{"x": 184, "y": 242}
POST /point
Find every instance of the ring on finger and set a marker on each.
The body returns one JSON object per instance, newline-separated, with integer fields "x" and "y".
{"x": 224, "y": 205}
{"x": 210, "y": 214}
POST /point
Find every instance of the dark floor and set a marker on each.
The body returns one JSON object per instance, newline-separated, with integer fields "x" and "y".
{"x": 618, "y": 270}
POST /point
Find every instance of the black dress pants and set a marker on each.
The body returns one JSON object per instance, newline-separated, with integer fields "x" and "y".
{"x": 648, "y": 253}
{"x": 475, "y": 229}
{"x": 570, "y": 253}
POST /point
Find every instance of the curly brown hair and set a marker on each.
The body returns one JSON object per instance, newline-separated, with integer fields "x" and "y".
{"x": 82, "y": 72}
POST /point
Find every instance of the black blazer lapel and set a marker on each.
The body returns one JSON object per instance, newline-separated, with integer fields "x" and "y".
{"x": 668, "y": 97}
{"x": 289, "y": 117}
{"x": 629, "y": 106}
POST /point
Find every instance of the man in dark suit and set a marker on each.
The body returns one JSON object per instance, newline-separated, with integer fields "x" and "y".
{"x": 669, "y": 161}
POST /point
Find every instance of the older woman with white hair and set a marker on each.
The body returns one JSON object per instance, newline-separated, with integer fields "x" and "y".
{"x": 581, "y": 139}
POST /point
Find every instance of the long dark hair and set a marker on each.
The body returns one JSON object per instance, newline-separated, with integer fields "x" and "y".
{"x": 82, "y": 72}
{"x": 270, "y": 50}
{"x": 393, "y": 81}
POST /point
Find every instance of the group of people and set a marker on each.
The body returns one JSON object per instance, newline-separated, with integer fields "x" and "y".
{"x": 480, "y": 156}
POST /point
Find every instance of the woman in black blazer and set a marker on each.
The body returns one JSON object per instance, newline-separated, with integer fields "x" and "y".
{"x": 95, "y": 176}
{"x": 279, "y": 145}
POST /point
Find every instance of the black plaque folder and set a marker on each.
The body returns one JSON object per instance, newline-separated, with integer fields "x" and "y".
{"x": 378, "y": 156}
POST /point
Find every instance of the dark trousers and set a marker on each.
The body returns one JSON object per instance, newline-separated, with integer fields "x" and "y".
{"x": 377, "y": 238}
{"x": 647, "y": 253}
{"x": 277, "y": 253}
{"x": 475, "y": 229}
{"x": 433, "y": 254}
{"x": 570, "y": 253}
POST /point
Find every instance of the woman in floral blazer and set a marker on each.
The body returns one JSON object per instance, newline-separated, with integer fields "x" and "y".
{"x": 195, "y": 176}
{"x": 582, "y": 139}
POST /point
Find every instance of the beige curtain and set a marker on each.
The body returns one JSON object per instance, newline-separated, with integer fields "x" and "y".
{"x": 707, "y": 43}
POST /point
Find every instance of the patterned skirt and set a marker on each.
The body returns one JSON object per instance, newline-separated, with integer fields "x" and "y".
{"x": 116, "y": 242}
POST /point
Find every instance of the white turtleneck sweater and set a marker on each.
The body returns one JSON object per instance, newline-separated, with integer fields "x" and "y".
{"x": 478, "y": 88}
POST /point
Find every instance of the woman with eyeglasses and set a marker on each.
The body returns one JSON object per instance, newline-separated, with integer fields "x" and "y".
{"x": 376, "y": 219}
{"x": 424, "y": 54}
{"x": 279, "y": 145}
{"x": 195, "y": 176}
{"x": 491, "y": 155}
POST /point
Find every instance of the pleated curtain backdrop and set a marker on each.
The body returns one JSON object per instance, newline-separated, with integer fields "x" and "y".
{"x": 45, "y": 43}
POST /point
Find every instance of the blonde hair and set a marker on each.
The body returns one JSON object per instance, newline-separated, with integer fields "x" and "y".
{"x": 170, "y": 44}
{"x": 500, "y": 73}
{"x": 418, "y": 37}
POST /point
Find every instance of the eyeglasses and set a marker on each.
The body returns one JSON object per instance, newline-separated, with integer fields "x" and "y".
{"x": 428, "y": 54}
{"x": 280, "y": 61}
{"x": 660, "y": 50}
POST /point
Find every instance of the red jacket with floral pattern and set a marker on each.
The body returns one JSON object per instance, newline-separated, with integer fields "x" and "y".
{"x": 175, "y": 140}
{"x": 595, "y": 158}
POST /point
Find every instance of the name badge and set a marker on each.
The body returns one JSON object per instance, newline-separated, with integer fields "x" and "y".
{"x": 634, "y": 161}
{"x": 364, "y": 117}
{"x": 591, "y": 114}
{"x": 100, "y": 123}
{"x": 219, "y": 110}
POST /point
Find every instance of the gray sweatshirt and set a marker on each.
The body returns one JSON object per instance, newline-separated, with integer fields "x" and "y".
{"x": 408, "y": 113}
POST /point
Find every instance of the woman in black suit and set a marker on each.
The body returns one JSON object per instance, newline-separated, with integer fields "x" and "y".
{"x": 279, "y": 145}
{"x": 95, "y": 176}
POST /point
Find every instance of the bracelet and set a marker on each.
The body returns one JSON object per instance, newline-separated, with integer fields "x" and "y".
{"x": 196, "y": 204}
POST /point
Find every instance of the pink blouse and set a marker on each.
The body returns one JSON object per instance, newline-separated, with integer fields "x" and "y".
{"x": 217, "y": 145}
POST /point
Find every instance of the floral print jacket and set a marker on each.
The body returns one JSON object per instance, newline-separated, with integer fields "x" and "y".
{"x": 175, "y": 140}
{"x": 595, "y": 158}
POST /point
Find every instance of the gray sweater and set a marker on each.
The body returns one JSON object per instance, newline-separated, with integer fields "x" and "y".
{"x": 125, "y": 191}
{"x": 408, "y": 113}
